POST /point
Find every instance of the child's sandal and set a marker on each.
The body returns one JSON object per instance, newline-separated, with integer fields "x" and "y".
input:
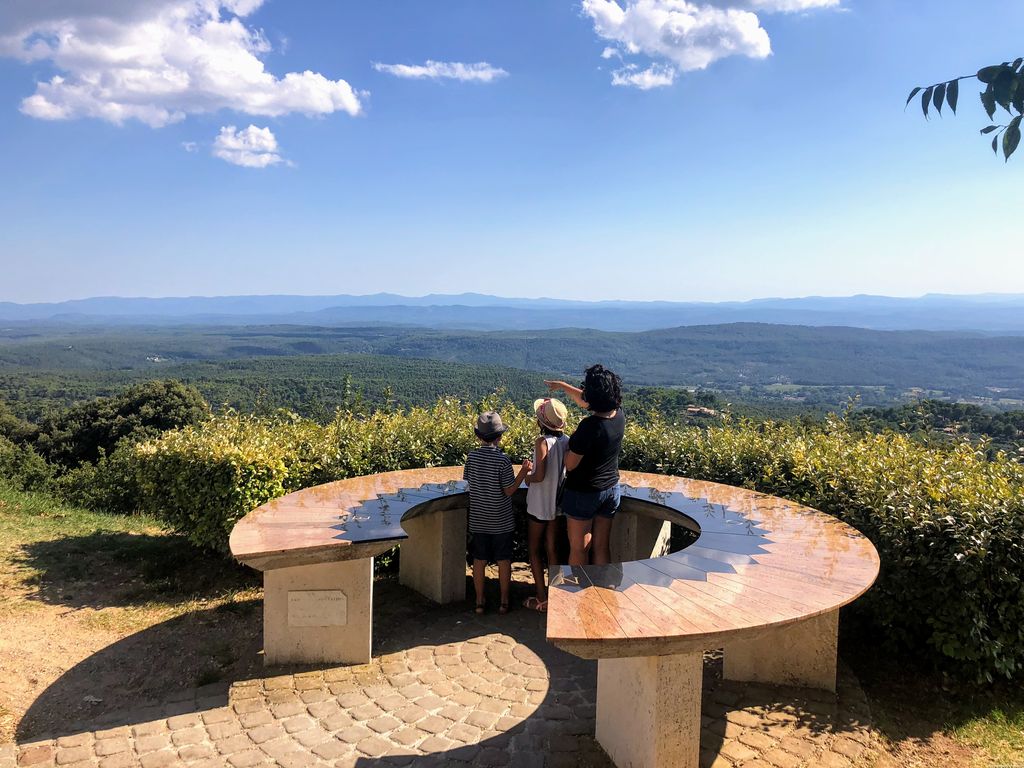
{"x": 533, "y": 603}
{"x": 479, "y": 609}
{"x": 503, "y": 609}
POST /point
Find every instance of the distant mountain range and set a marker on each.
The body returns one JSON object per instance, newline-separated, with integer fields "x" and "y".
{"x": 988, "y": 313}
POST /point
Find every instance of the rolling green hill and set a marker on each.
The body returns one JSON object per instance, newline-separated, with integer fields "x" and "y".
{"x": 748, "y": 361}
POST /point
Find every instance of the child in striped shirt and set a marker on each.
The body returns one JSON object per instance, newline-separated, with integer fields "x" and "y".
{"x": 491, "y": 524}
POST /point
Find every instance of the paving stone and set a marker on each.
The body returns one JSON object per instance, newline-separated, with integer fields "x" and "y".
{"x": 782, "y": 759}
{"x": 234, "y": 744}
{"x": 296, "y": 724}
{"x": 159, "y": 759}
{"x": 195, "y": 752}
{"x": 383, "y": 724}
{"x": 832, "y": 760}
{"x": 337, "y": 722}
{"x": 847, "y": 747}
{"x": 77, "y": 740}
{"x": 757, "y": 740}
{"x": 288, "y": 709}
{"x": 800, "y": 747}
{"x": 187, "y": 736}
{"x": 246, "y": 759}
{"x": 266, "y": 733}
{"x": 436, "y": 744}
{"x": 280, "y": 747}
{"x": 433, "y": 724}
{"x": 737, "y": 752}
{"x": 492, "y": 756}
{"x": 222, "y": 715}
{"x": 407, "y": 736}
{"x": 70, "y": 755}
{"x": 482, "y": 719}
{"x": 324, "y": 709}
{"x": 152, "y": 743}
{"x": 354, "y": 734}
{"x": 374, "y": 746}
{"x": 120, "y": 760}
{"x": 183, "y": 721}
{"x": 218, "y": 731}
{"x": 331, "y": 749}
{"x": 743, "y": 719}
{"x": 254, "y": 719}
{"x": 121, "y": 731}
{"x": 106, "y": 747}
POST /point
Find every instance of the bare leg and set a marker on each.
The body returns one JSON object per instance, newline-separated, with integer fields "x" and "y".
{"x": 504, "y": 580}
{"x": 579, "y": 540}
{"x": 551, "y": 543}
{"x": 602, "y": 550}
{"x": 478, "y": 580}
{"x": 535, "y": 534}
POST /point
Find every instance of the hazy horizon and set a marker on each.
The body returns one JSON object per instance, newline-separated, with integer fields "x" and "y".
{"x": 521, "y": 297}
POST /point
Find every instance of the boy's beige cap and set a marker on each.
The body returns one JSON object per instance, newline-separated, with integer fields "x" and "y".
{"x": 552, "y": 413}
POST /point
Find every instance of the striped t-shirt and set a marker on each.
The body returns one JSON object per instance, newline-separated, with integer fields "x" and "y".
{"x": 489, "y": 472}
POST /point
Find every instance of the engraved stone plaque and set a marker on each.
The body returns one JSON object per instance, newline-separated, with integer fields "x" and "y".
{"x": 317, "y": 608}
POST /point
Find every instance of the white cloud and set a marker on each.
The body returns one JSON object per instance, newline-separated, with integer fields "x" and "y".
{"x": 655, "y": 76}
{"x": 448, "y": 70}
{"x": 251, "y": 147}
{"x": 157, "y": 61}
{"x": 682, "y": 36}
{"x": 189, "y": 146}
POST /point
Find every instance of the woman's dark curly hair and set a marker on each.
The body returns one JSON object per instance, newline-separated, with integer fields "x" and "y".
{"x": 602, "y": 389}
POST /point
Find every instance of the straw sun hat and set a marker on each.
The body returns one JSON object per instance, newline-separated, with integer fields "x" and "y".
{"x": 551, "y": 413}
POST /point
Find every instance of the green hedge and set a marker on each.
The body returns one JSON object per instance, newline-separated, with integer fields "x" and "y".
{"x": 948, "y": 523}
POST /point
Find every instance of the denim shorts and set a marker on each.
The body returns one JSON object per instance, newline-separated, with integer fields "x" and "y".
{"x": 581, "y": 505}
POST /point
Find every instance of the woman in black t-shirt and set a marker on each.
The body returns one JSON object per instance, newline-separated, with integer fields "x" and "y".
{"x": 591, "y": 496}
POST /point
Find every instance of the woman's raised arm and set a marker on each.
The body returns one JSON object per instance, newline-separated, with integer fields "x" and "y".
{"x": 574, "y": 392}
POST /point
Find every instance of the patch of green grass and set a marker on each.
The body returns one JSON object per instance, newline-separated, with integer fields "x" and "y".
{"x": 72, "y": 556}
{"x": 997, "y": 728}
{"x": 26, "y": 516}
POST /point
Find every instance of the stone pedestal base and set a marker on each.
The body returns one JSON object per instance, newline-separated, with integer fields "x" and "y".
{"x": 318, "y": 613}
{"x": 802, "y": 654}
{"x": 433, "y": 559}
{"x": 648, "y": 710}
{"x": 637, "y": 537}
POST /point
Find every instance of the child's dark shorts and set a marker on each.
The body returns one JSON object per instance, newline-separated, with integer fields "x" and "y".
{"x": 491, "y": 547}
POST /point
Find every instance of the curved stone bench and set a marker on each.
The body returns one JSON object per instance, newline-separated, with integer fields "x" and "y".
{"x": 764, "y": 580}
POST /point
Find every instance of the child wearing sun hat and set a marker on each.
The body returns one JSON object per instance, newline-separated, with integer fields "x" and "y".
{"x": 544, "y": 483}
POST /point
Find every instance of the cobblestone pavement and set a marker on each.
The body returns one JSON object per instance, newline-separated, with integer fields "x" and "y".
{"x": 448, "y": 688}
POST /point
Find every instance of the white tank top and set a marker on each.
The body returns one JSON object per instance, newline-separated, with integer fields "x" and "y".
{"x": 541, "y": 497}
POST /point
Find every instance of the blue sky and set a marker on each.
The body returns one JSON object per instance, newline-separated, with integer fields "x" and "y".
{"x": 788, "y": 174}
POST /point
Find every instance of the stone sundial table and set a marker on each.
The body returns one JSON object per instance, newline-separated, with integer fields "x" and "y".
{"x": 764, "y": 580}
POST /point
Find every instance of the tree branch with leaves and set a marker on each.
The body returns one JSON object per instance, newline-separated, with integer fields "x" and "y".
{"x": 1004, "y": 87}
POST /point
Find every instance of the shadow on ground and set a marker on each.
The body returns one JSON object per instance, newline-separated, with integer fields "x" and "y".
{"x": 108, "y": 569}
{"x": 148, "y": 677}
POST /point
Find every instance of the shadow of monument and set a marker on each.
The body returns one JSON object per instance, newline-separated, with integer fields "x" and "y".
{"x": 559, "y": 729}
{"x": 152, "y": 673}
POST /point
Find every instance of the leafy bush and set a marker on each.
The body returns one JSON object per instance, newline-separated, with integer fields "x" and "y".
{"x": 86, "y": 431}
{"x": 21, "y": 467}
{"x": 14, "y": 429}
{"x": 948, "y": 522}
